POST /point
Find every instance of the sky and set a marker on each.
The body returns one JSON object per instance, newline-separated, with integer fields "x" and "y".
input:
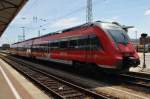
{"x": 46, "y": 16}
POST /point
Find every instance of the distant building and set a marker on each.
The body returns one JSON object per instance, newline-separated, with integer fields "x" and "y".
{"x": 147, "y": 40}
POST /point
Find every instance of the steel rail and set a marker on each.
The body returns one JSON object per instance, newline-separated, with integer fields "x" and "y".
{"x": 139, "y": 79}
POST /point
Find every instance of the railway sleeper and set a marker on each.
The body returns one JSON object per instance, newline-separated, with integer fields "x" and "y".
{"x": 43, "y": 79}
{"x": 65, "y": 88}
{"x": 60, "y": 88}
{"x": 55, "y": 87}
{"x": 73, "y": 95}
{"x": 47, "y": 81}
{"x": 68, "y": 92}
{"x": 52, "y": 83}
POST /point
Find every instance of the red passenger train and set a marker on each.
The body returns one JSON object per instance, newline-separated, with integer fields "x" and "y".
{"x": 104, "y": 44}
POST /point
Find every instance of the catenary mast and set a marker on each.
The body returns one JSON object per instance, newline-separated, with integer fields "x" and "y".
{"x": 89, "y": 13}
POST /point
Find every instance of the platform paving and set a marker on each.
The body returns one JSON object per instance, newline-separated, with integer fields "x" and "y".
{"x": 5, "y": 90}
{"x": 140, "y": 67}
{"x": 23, "y": 88}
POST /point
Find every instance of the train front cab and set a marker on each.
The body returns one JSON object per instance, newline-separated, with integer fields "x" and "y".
{"x": 121, "y": 55}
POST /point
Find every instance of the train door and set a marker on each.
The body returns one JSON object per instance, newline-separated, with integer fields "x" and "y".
{"x": 46, "y": 49}
{"x": 90, "y": 49}
{"x": 30, "y": 48}
{"x": 93, "y": 46}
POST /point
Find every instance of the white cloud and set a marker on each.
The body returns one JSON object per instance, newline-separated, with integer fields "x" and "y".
{"x": 147, "y": 12}
{"x": 67, "y": 22}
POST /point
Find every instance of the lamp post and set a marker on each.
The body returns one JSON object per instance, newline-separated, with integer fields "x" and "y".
{"x": 144, "y": 35}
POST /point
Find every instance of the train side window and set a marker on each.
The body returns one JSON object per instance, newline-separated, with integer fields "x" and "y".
{"x": 35, "y": 48}
{"x": 83, "y": 42}
{"x": 32, "y": 48}
{"x": 73, "y": 44}
{"x": 94, "y": 42}
{"x": 63, "y": 44}
{"x": 54, "y": 45}
{"x": 50, "y": 45}
{"x": 40, "y": 48}
{"x": 46, "y": 47}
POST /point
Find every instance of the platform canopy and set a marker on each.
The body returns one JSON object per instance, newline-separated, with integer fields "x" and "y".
{"x": 8, "y": 10}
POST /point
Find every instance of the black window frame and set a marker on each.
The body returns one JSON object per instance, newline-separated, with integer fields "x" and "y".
{"x": 75, "y": 43}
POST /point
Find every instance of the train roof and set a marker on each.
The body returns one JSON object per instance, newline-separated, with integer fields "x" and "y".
{"x": 71, "y": 29}
{"x": 57, "y": 32}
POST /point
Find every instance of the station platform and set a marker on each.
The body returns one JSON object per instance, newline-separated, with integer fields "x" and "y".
{"x": 14, "y": 86}
{"x": 140, "y": 67}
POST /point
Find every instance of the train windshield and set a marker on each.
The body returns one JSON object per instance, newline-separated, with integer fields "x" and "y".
{"x": 116, "y": 33}
{"x": 119, "y": 36}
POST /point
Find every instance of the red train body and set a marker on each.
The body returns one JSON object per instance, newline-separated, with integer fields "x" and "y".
{"x": 106, "y": 45}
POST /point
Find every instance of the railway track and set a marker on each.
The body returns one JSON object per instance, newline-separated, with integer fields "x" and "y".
{"x": 139, "y": 79}
{"x": 130, "y": 78}
{"x": 137, "y": 74}
{"x": 57, "y": 87}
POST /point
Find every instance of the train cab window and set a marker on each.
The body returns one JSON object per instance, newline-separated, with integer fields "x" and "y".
{"x": 119, "y": 36}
